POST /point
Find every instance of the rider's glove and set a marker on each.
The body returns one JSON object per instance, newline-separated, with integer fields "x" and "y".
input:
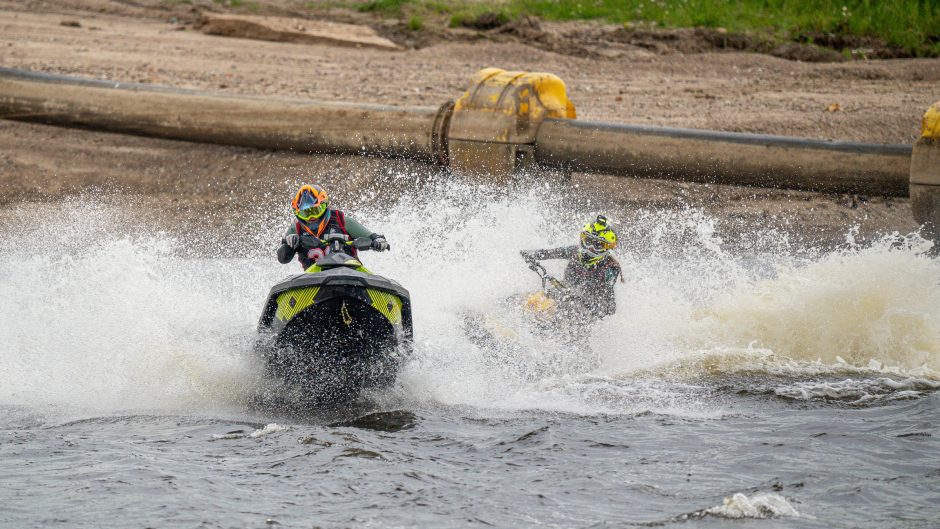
{"x": 292, "y": 240}
{"x": 379, "y": 243}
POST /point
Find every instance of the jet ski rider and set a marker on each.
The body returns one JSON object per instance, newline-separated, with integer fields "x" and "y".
{"x": 591, "y": 271}
{"x": 311, "y": 206}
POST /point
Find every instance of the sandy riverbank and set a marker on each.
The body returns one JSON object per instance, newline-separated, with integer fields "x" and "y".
{"x": 156, "y": 42}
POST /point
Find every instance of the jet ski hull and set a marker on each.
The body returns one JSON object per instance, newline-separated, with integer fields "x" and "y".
{"x": 332, "y": 334}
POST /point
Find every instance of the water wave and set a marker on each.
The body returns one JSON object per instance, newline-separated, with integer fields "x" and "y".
{"x": 876, "y": 304}
{"x": 760, "y": 505}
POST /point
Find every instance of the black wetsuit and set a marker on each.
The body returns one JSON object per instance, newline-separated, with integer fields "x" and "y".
{"x": 592, "y": 284}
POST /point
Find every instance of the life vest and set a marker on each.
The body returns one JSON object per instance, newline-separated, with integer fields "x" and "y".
{"x": 335, "y": 219}
{"x": 604, "y": 272}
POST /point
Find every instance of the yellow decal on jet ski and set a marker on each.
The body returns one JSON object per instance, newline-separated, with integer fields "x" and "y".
{"x": 540, "y": 303}
{"x": 388, "y": 304}
{"x": 293, "y": 301}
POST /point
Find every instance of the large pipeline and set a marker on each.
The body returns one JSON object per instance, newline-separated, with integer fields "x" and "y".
{"x": 310, "y": 126}
{"x": 249, "y": 121}
{"x": 725, "y": 157}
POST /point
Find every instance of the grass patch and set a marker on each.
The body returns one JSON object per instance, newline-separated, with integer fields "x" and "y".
{"x": 415, "y": 23}
{"x": 909, "y": 25}
{"x": 388, "y": 7}
{"x": 454, "y": 9}
{"x": 912, "y": 25}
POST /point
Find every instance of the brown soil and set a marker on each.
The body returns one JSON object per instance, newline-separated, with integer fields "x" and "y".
{"x": 610, "y": 78}
{"x": 285, "y": 29}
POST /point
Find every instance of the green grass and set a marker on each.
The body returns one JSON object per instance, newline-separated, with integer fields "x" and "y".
{"x": 910, "y": 25}
{"x": 392, "y": 7}
{"x": 415, "y": 23}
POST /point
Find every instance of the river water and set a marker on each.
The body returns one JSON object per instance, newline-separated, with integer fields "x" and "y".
{"x": 759, "y": 384}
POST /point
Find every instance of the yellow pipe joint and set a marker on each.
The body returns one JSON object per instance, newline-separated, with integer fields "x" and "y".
{"x": 930, "y": 127}
{"x": 533, "y": 95}
{"x": 494, "y": 123}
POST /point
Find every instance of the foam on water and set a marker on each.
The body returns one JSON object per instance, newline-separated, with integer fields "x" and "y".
{"x": 877, "y": 303}
{"x": 268, "y": 430}
{"x": 97, "y": 315}
{"x": 91, "y": 316}
{"x": 761, "y": 505}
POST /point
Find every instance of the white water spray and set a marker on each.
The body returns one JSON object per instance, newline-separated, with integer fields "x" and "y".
{"x": 95, "y": 316}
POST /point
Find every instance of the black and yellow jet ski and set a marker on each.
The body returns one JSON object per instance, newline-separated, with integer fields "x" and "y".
{"x": 540, "y": 326}
{"x": 336, "y": 329}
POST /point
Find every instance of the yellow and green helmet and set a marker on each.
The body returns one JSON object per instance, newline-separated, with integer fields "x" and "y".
{"x": 597, "y": 238}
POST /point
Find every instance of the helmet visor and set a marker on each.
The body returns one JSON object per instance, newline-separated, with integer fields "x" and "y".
{"x": 310, "y": 207}
{"x": 595, "y": 244}
{"x": 312, "y": 212}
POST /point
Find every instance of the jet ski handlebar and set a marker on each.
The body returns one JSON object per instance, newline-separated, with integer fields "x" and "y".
{"x": 547, "y": 279}
{"x": 553, "y": 286}
{"x": 335, "y": 242}
{"x": 362, "y": 243}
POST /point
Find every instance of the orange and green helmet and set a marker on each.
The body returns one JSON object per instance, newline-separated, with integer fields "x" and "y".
{"x": 310, "y": 202}
{"x": 598, "y": 238}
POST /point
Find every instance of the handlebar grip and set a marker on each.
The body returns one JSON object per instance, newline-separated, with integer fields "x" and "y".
{"x": 362, "y": 243}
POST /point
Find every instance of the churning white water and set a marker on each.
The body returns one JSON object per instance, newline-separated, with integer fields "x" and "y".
{"x": 100, "y": 314}
{"x": 676, "y": 410}
{"x": 95, "y": 316}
